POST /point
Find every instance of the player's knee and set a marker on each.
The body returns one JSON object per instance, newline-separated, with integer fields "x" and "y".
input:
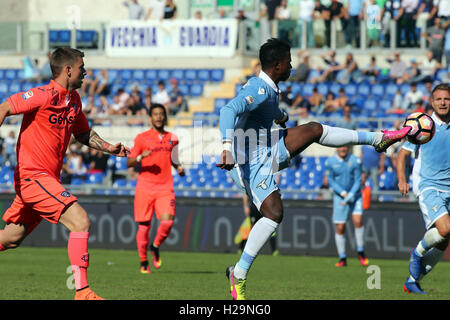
{"x": 82, "y": 224}
{"x": 276, "y": 214}
{"x": 315, "y": 129}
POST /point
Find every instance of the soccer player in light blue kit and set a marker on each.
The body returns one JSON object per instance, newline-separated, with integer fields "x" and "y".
{"x": 433, "y": 192}
{"x": 344, "y": 171}
{"x": 254, "y": 153}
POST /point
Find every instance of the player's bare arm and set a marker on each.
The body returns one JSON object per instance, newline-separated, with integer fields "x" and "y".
{"x": 403, "y": 185}
{"x": 5, "y": 110}
{"x": 226, "y": 158}
{"x": 133, "y": 162}
{"x": 92, "y": 140}
{"x": 175, "y": 160}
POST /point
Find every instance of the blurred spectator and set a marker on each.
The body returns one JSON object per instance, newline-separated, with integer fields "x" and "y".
{"x": 341, "y": 100}
{"x": 119, "y": 102}
{"x": 162, "y": 96}
{"x": 412, "y": 73}
{"x": 330, "y": 103}
{"x": 286, "y": 98}
{"x": 256, "y": 68}
{"x": 301, "y": 73}
{"x": 135, "y": 107}
{"x": 91, "y": 109}
{"x": 348, "y": 71}
{"x": 412, "y": 97}
{"x": 87, "y": 83}
{"x": 426, "y": 13}
{"x": 317, "y": 102}
{"x": 198, "y": 15}
{"x": 75, "y": 162}
{"x": 330, "y": 73}
{"x": 435, "y": 36}
{"x": 9, "y": 145}
{"x": 300, "y": 107}
{"x": 220, "y": 14}
{"x": 418, "y": 107}
{"x": 391, "y": 12}
{"x": 347, "y": 121}
{"x": 320, "y": 14}
{"x": 337, "y": 14}
{"x": 372, "y": 16}
{"x": 241, "y": 15}
{"x": 428, "y": 67}
{"x": 30, "y": 70}
{"x": 170, "y": 10}
{"x": 371, "y": 71}
{"x": 97, "y": 161}
{"x": 265, "y": 31}
{"x": 408, "y": 23}
{"x": 446, "y": 26}
{"x": 272, "y": 6}
{"x": 104, "y": 111}
{"x": 155, "y": 10}
{"x": 177, "y": 101}
{"x": 148, "y": 100}
{"x": 398, "y": 68}
{"x": 102, "y": 84}
{"x": 372, "y": 163}
{"x": 135, "y": 10}
{"x": 397, "y": 104}
{"x": 305, "y": 17}
{"x": 444, "y": 9}
{"x": 282, "y": 12}
{"x": 355, "y": 15}
{"x": 45, "y": 71}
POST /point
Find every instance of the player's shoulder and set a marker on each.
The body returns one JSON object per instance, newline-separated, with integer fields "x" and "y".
{"x": 172, "y": 136}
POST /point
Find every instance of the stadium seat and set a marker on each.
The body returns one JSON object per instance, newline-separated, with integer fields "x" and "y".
{"x": 190, "y": 75}
{"x": 203, "y": 75}
{"x": 313, "y": 73}
{"x": 95, "y": 178}
{"x": 323, "y": 88}
{"x": 2, "y": 74}
{"x": 377, "y": 91}
{"x": 4, "y": 90}
{"x": 405, "y": 88}
{"x": 196, "y": 90}
{"x": 126, "y": 75}
{"x": 163, "y": 75}
{"x": 177, "y": 74}
{"x": 151, "y": 75}
{"x": 335, "y": 88}
{"x": 440, "y": 74}
{"x": 350, "y": 90}
{"x": 120, "y": 183}
{"x": 217, "y": 75}
{"x": 120, "y": 163}
{"x": 307, "y": 89}
{"x": 390, "y": 90}
{"x": 14, "y": 87}
{"x": 363, "y": 90}
{"x": 385, "y": 105}
{"x": 10, "y": 75}
{"x": 296, "y": 88}
{"x": 138, "y": 75}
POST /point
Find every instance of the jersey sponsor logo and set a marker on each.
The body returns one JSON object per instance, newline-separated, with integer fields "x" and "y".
{"x": 262, "y": 185}
{"x": 27, "y": 95}
{"x": 59, "y": 119}
{"x": 66, "y": 194}
{"x": 261, "y": 91}
{"x": 249, "y": 99}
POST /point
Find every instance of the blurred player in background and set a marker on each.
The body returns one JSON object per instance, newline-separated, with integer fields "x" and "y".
{"x": 344, "y": 177}
{"x": 155, "y": 150}
{"x": 433, "y": 189}
{"x": 253, "y": 153}
{"x": 51, "y": 114}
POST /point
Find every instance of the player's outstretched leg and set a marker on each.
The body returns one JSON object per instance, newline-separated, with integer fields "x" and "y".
{"x": 142, "y": 245}
{"x": 77, "y": 221}
{"x": 299, "y": 138}
{"x": 162, "y": 233}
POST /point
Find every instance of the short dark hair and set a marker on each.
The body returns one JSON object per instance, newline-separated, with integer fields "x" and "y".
{"x": 62, "y": 57}
{"x": 273, "y": 51}
{"x": 155, "y": 106}
{"x": 442, "y": 86}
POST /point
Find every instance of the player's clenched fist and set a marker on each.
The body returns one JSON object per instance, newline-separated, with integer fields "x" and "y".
{"x": 226, "y": 160}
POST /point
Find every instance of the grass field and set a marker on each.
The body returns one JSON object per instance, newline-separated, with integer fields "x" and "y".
{"x": 40, "y": 273}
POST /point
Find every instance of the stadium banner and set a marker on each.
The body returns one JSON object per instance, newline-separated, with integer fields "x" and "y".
{"x": 172, "y": 38}
{"x": 210, "y": 225}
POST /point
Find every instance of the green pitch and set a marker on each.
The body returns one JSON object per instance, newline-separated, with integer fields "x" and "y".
{"x": 41, "y": 273}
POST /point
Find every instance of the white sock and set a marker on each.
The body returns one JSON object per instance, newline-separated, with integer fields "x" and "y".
{"x": 359, "y": 237}
{"x": 259, "y": 234}
{"x": 338, "y": 137}
{"x": 430, "y": 240}
{"x": 340, "y": 245}
{"x": 430, "y": 259}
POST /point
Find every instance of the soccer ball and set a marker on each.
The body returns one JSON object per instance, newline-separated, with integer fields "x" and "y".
{"x": 422, "y": 128}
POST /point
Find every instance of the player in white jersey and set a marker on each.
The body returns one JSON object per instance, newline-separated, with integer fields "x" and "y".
{"x": 433, "y": 192}
{"x": 254, "y": 153}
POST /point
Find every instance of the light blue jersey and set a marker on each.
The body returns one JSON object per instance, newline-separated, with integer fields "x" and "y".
{"x": 259, "y": 152}
{"x": 345, "y": 175}
{"x": 434, "y": 174}
{"x": 435, "y": 159}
